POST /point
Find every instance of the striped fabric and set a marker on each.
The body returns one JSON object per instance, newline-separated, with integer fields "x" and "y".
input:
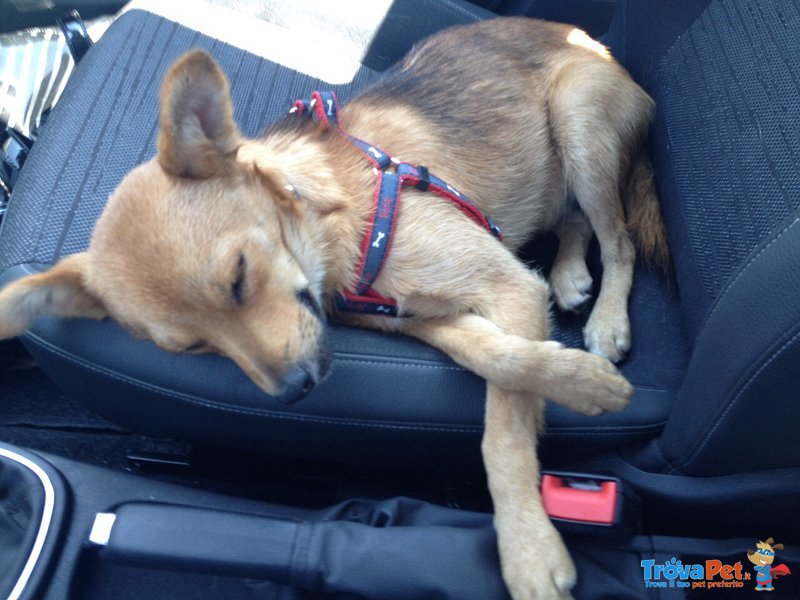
{"x": 728, "y": 143}
{"x": 35, "y": 65}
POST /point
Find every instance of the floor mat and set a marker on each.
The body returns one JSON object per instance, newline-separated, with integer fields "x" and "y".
{"x": 29, "y": 398}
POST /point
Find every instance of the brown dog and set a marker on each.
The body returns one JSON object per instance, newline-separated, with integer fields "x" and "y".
{"x": 232, "y": 245}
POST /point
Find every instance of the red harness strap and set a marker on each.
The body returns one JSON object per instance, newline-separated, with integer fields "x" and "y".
{"x": 323, "y": 108}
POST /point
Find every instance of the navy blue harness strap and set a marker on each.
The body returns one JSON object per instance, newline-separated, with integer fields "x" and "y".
{"x": 367, "y": 304}
{"x": 420, "y": 178}
{"x": 378, "y": 238}
{"x": 379, "y": 159}
{"x": 323, "y": 107}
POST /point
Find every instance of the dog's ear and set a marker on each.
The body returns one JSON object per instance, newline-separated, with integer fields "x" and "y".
{"x": 284, "y": 194}
{"x": 198, "y": 136}
{"x": 769, "y": 541}
{"x": 778, "y": 547}
{"x": 288, "y": 193}
{"x": 61, "y": 291}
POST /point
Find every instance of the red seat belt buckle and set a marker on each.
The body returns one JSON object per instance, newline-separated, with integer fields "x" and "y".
{"x": 581, "y": 499}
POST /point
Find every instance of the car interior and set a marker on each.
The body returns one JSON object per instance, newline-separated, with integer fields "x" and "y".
{"x": 130, "y": 472}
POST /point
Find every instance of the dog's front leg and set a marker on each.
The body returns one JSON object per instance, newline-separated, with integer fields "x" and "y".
{"x": 534, "y": 561}
{"x": 582, "y": 382}
{"x": 505, "y": 345}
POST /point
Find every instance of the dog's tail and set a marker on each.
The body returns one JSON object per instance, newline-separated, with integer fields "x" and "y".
{"x": 643, "y": 211}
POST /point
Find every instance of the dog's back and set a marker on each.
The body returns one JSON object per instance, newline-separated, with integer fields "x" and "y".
{"x": 518, "y": 108}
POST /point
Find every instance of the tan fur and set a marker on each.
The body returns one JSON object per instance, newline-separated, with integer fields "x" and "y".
{"x": 212, "y": 245}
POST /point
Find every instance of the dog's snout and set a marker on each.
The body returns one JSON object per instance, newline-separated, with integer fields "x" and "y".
{"x": 300, "y": 379}
{"x": 298, "y": 382}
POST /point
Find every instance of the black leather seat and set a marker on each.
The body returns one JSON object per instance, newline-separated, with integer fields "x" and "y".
{"x": 711, "y": 347}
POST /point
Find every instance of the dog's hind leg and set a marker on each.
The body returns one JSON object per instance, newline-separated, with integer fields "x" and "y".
{"x": 570, "y": 278}
{"x": 608, "y": 331}
{"x": 598, "y": 117}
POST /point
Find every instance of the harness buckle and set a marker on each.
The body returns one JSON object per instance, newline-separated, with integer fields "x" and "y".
{"x": 424, "y": 179}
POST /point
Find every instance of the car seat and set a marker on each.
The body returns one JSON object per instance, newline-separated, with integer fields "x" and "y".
{"x": 388, "y": 400}
{"x": 716, "y": 342}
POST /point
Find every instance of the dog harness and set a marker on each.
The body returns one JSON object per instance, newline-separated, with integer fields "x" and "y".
{"x": 392, "y": 176}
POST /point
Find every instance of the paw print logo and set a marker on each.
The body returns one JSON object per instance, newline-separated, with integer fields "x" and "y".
{"x": 672, "y": 568}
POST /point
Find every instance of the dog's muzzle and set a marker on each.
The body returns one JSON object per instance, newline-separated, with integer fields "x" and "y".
{"x": 300, "y": 379}
{"x": 297, "y": 384}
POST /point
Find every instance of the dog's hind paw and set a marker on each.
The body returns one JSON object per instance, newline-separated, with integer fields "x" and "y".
{"x": 608, "y": 336}
{"x": 571, "y": 288}
{"x": 585, "y": 383}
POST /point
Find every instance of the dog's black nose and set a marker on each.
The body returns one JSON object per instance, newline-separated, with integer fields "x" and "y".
{"x": 298, "y": 383}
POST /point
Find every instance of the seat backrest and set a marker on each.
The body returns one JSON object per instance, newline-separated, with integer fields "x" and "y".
{"x": 726, "y": 148}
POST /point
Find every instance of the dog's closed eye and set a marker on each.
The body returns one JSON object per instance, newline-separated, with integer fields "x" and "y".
{"x": 238, "y": 286}
{"x": 198, "y": 348}
{"x": 307, "y": 299}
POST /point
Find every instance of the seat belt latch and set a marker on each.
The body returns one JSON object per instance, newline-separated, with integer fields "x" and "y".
{"x": 582, "y": 499}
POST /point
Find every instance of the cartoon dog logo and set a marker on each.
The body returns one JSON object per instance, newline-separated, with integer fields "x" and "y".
{"x": 763, "y": 557}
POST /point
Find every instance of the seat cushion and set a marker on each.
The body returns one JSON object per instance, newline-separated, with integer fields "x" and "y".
{"x": 388, "y": 399}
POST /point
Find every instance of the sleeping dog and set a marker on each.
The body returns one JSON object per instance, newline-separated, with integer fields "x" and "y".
{"x": 402, "y": 212}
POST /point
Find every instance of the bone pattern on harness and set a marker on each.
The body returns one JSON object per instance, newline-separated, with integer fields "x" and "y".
{"x": 323, "y": 107}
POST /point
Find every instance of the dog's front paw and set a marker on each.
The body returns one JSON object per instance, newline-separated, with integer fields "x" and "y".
{"x": 608, "y": 335}
{"x": 585, "y": 383}
{"x": 542, "y": 572}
